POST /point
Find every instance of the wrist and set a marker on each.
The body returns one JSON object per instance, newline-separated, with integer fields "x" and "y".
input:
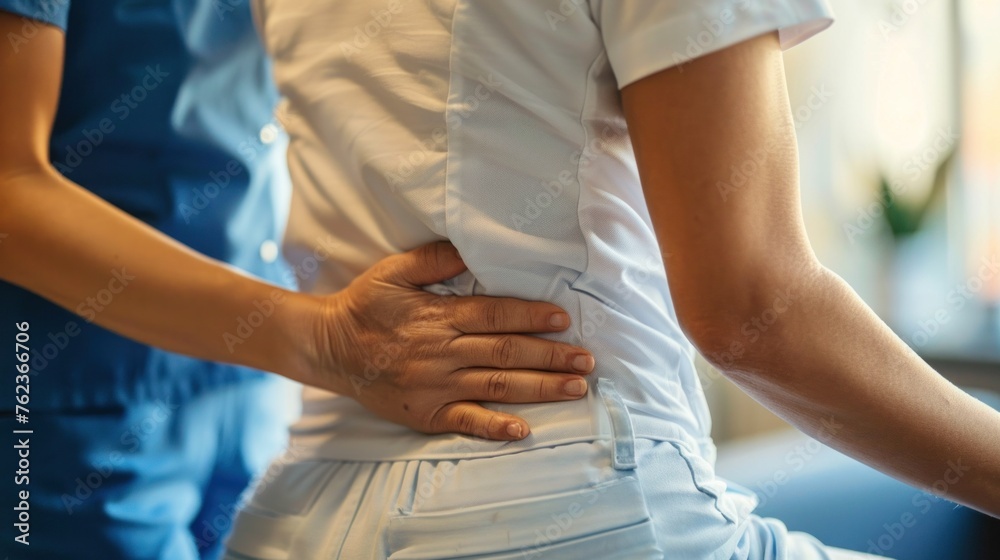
{"x": 295, "y": 348}
{"x": 273, "y": 332}
{"x": 308, "y": 327}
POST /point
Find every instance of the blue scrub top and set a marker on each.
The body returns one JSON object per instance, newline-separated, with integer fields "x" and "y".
{"x": 166, "y": 112}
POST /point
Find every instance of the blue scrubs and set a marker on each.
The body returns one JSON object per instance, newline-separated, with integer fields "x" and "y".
{"x": 165, "y": 112}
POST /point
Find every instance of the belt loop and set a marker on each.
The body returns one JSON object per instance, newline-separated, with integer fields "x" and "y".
{"x": 621, "y": 425}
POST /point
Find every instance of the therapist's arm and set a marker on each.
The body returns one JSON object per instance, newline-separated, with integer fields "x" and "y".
{"x": 432, "y": 356}
{"x": 827, "y": 364}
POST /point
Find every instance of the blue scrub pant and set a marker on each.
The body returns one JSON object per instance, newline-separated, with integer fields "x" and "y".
{"x": 158, "y": 480}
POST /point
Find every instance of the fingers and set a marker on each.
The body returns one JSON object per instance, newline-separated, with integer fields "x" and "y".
{"x": 514, "y": 351}
{"x": 474, "y": 420}
{"x": 519, "y": 386}
{"x": 482, "y": 314}
{"x": 429, "y": 264}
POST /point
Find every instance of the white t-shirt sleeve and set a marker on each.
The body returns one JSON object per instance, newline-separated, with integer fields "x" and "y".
{"x": 643, "y": 37}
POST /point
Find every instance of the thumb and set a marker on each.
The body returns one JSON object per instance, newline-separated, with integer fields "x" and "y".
{"x": 428, "y": 264}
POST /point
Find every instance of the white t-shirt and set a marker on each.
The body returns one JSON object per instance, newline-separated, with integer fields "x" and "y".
{"x": 497, "y": 125}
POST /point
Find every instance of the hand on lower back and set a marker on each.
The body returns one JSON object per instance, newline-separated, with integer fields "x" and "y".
{"x": 423, "y": 360}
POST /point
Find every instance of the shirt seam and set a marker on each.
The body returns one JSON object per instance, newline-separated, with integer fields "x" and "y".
{"x": 589, "y": 87}
{"x": 448, "y": 140}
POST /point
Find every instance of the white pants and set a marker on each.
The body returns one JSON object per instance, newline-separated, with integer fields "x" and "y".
{"x": 615, "y": 498}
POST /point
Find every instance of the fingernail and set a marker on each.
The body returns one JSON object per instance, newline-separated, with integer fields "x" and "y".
{"x": 514, "y": 430}
{"x": 576, "y": 387}
{"x": 583, "y": 363}
{"x": 559, "y": 320}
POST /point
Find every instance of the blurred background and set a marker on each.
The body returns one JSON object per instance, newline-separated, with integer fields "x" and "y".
{"x": 897, "y": 109}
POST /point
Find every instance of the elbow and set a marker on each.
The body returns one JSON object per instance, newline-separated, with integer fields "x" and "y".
{"x": 17, "y": 182}
{"x": 745, "y": 329}
{"x": 724, "y": 342}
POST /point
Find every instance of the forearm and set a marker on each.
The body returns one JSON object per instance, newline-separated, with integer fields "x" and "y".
{"x": 69, "y": 246}
{"x": 831, "y": 367}
{"x": 734, "y": 246}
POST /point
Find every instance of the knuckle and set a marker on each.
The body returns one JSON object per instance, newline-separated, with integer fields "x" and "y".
{"x": 495, "y": 426}
{"x": 498, "y": 386}
{"x": 465, "y": 420}
{"x": 435, "y": 423}
{"x": 423, "y": 317}
{"x": 552, "y": 357}
{"x": 495, "y": 316}
{"x": 528, "y": 315}
{"x": 442, "y": 302}
{"x": 504, "y": 351}
{"x": 433, "y": 356}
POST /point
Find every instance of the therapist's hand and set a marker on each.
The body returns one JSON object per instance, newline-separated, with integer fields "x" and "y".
{"x": 422, "y": 360}
{"x": 410, "y": 356}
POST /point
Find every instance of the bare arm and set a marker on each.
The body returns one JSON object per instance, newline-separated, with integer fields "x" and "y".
{"x": 66, "y": 245}
{"x": 737, "y": 251}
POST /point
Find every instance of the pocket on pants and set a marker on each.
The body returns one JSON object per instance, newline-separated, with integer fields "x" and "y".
{"x": 606, "y": 517}
{"x": 607, "y": 521}
{"x": 267, "y": 526}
